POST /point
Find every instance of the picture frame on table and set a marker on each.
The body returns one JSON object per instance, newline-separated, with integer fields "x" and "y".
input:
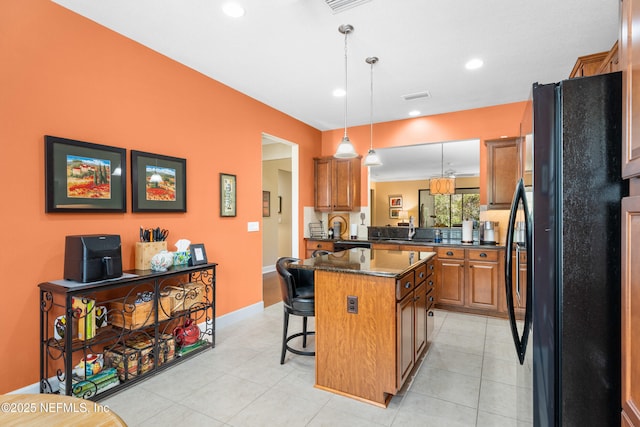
{"x": 227, "y": 195}
{"x": 198, "y": 254}
{"x": 84, "y": 177}
{"x": 158, "y": 183}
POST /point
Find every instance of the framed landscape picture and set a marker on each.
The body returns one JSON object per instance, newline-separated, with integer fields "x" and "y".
{"x": 158, "y": 183}
{"x": 84, "y": 177}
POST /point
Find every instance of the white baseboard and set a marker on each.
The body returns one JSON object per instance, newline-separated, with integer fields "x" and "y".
{"x": 268, "y": 268}
{"x": 221, "y": 322}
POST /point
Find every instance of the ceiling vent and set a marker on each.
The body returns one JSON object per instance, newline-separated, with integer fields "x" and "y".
{"x": 338, "y": 6}
{"x": 417, "y": 95}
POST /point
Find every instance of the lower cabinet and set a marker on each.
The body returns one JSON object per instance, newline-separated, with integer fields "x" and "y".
{"x": 314, "y": 245}
{"x": 470, "y": 279}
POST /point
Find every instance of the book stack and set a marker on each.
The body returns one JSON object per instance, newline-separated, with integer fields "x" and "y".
{"x": 85, "y": 314}
{"x": 94, "y": 384}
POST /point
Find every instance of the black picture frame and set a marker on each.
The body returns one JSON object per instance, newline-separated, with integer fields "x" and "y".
{"x": 166, "y": 194}
{"x": 84, "y": 177}
{"x": 198, "y": 254}
{"x": 228, "y": 189}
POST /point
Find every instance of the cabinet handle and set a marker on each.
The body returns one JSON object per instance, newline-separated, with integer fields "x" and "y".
{"x": 483, "y": 255}
{"x": 471, "y": 266}
{"x": 318, "y": 245}
{"x": 461, "y": 265}
{"x": 430, "y": 313}
{"x": 416, "y": 299}
{"x": 407, "y": 285}
{"x": 449, "y": 253}
{"x": 421, "y": 274}
{"x": 430, "y": 298}
{"x": 431, "y": 266}
{"x": 430, "y": 282}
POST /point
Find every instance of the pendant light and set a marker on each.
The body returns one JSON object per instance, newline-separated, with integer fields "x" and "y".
{"x": 372, "y": 158}
{"x": 445, "y": 185}
{"x": 345, "y": 149}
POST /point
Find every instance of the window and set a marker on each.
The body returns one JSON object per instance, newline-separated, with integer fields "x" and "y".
{"x": 449, "y": 210}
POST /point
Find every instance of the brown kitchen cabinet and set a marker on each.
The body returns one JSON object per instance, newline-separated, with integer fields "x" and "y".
{"x": 630, "y": 308}
{"x": 337, "y": 184}
{"x": 470, "y": 279}
{"x": 314, "y": 245}
{"x": 503, "y": 165}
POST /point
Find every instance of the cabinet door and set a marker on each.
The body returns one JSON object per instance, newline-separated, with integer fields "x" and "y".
{"x": 483, "y": 285}
{"x": 502, "y": 171}
{"x": 420, "y": 307}
{"x": 630, "y": 66}
{"x": 631, "y": 309}
{"x": 405, "y": 331}
{"x": 346, "y": 184}
{"x": 323, "y": 183}
{"x": 450, "y": 283}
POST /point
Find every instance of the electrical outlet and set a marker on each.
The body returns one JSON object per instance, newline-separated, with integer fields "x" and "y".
{"x": 352, "y": 304}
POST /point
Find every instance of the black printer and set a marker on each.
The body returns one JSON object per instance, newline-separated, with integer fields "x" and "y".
{"x": 91, "y": 258}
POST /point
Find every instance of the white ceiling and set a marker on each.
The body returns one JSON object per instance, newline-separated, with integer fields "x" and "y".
{"x": 289, "y": 54}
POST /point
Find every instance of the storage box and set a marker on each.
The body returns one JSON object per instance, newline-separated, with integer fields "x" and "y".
{"x": 130, "y": 315}
{"x": 184, "y": 297}
{"x": 167, "y": 348}
{"x": 123, "y": 359}
{"x": 145, "y": 251}
{"x": 144, "y": 347}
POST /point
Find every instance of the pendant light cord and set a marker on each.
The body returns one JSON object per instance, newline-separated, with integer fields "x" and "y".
{"x": 346, "y": 91}
{"x": 371, "y": 111}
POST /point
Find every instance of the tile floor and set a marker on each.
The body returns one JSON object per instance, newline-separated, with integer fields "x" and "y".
{"x": 467, "y": 378}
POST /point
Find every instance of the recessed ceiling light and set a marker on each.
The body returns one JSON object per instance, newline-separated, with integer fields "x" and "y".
{"x": 339, "y": 93}
{"x": 473, "y": 64}
{"x": 414, "y": 113}
{"x": 233, "y": 10}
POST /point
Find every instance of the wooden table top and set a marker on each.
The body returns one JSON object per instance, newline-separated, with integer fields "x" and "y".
{"x": 54, "y": 410}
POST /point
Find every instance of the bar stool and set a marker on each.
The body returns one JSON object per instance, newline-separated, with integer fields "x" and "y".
{"x": 297, "y": 290}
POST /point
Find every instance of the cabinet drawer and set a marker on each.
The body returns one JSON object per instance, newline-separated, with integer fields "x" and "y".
{"x": 483, "y": 255}
{"x": 318, "y": 244}
{"x": 404, "y": 285}
{"x": 421, "y": 273}
{"x": 450, "y": 253}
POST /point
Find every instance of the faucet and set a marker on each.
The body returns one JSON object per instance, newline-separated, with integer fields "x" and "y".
{"x": 412, "y": 228}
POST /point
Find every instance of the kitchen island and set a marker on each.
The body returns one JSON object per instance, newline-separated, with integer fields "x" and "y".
{"x": 373, "y": 316}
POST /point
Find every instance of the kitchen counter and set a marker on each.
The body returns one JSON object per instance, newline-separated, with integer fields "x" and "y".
{"x": 372, "y": 262}
{"x": 416, "y": 242}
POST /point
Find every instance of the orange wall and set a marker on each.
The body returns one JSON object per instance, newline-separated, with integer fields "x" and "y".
{"x": 481, "y": 123}
{"x": 63, "y": 75}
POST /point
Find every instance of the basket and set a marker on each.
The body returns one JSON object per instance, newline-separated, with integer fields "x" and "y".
{"x": 186, "y": 296}
{"x": 129, "y": 315}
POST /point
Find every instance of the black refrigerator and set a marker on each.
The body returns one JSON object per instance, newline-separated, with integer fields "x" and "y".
{"x": 568, "y": 341}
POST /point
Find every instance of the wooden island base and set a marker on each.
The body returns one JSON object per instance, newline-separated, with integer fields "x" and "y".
{"x": 372, "y": 320}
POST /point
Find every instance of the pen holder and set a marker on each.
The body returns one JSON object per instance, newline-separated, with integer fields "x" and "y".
{"x": 145, "y": 251}
{"x": 181, "y": 258}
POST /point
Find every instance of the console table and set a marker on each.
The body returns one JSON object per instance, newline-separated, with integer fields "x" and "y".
{"x": 137, "y": 324}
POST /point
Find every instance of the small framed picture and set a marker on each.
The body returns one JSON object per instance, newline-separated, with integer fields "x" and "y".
{"x": 198, "y": 254}
{"x": 395, "y": 201}
{"x": 227, "y": 194}
{"x": 266, "y": 203}
{"x": 394, "y": 213}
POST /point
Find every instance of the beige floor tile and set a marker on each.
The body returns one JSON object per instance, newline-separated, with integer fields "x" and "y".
{"x": 461, "y": 343}
{"x": 276, "y": 408}
{"x": 420, "y": 411}
{"x": 332, "y": 417}
{"x": 505, "y": 400}
{"x": 447, "y": 385}
{"x": 179, "y": 415}
{"x": 454, "y": 361}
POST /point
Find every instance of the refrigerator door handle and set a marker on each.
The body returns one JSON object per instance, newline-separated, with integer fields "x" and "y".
{"x": 520, "y": 340}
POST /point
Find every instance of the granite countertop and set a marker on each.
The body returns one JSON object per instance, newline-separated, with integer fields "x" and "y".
{"x": 416, "y": 242}
{"x": 373, "y": 262}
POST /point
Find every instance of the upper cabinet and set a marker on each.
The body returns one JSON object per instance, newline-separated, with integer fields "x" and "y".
{"x": 596, "y": 63}
{"x": 503, "y": 169}
{"x": 630, "y": 64}
{"x": 337, "y": 184}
